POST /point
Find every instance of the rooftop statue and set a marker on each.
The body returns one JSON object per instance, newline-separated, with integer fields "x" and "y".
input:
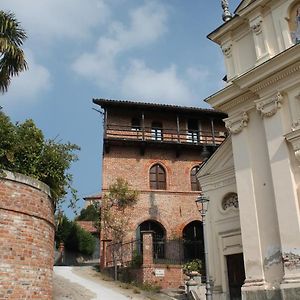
{"x": 227, "y": 14}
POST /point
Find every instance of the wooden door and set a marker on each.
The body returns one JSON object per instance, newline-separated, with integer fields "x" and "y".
{"x": 236, "y": 275}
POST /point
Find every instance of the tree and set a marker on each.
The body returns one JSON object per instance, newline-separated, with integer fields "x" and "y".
{"x": 119, "y": 198}
{"x": 75, "y": 238}
{"x": 23, "y": 149}
{"x": 115, "y": 215}
{"x": 12, "y": 58}
{"x": 91, "y": 213}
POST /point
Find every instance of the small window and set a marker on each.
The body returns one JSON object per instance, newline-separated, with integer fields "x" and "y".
{"x": 157, "y": 177}
{"x": 156, "y": 131}
{"x": 193, "y": 131}
{"x": 135, "y": 124}
{"x": 195, "y": 186}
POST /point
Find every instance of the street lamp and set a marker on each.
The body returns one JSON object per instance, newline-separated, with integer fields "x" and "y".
{"x": 202, "y": 205}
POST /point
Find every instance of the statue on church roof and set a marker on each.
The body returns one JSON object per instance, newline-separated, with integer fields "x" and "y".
{"x": 226, "y": 14}
{"x": 297, "y": 32}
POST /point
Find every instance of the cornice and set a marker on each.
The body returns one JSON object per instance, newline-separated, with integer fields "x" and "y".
{"x": 276, "y": 77}
{"x": 228, "y": 106}
{"x": 217, "y": 180}
{"x": 278, "y": 67}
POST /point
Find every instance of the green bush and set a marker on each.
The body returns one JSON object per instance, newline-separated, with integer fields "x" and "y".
{"x": 74, "y": 237}
{"x": 193, "y": 266}
{"x": 23, "y": 149}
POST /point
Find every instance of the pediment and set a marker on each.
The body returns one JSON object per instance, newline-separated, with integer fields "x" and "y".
{"x": 242, "y": 5}
{"x": 221, "y": 160}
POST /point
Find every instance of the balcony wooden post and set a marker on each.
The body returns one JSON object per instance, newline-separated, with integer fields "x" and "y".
{"x": 143, "y": 125}
{"x": 105, "y": 123}
{"x": 178, "y": 129}
{"x": 213, "y": 131}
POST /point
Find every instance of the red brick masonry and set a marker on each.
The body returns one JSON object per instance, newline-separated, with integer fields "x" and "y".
{"x": 26, "y": 238}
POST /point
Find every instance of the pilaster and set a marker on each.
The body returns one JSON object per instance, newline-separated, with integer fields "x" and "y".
{"x": 284, "y": 185}
{"x": 252, "y": 250}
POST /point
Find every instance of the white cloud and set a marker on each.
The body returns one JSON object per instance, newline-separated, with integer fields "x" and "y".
{"x": 147, "y": 25}
{"x": 142, "y": 82}
{"x": 29, "y": 84}
{"x": 49, "y": 20}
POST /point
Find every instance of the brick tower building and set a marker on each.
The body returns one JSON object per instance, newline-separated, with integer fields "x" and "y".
{"x": 158, "y": 149}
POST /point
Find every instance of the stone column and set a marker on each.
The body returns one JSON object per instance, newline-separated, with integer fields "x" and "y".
{"x": 147, "y": 247}
{"x": 284, "y": 185}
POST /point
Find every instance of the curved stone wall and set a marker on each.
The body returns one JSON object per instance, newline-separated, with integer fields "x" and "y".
{"x": 26, "y": 238}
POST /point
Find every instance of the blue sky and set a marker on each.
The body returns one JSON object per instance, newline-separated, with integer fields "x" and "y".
{"x": 140, "y": 50}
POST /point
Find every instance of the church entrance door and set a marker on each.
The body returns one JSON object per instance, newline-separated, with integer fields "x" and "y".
{"x": 236, "y": 275}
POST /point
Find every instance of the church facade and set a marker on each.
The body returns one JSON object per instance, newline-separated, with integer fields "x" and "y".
{"x": 252, "y": 180}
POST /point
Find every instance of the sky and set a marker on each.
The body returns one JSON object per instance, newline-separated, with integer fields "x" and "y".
{"x": 139, "y": 50}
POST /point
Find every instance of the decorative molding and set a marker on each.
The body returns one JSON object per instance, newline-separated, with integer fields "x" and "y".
{"x": 257, "y": 27}
{"x": 296, "y": 125}
{"x": 291, "y": 260}
{"x": 249, "y": 96}
{"x": 230, "y": 201}
{"x": 269, "y": 107}
{"x": 236, "y": 124}
{"x": 294, "y": 139}
{"x": 276, "y": 77}
{"x": 227, "y": 50}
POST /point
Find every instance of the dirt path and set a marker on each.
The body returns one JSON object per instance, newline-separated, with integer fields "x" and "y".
{"x": 84, "y": 283}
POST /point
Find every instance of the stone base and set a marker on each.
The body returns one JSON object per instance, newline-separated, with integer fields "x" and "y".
{"x": 285, "y": 293}
{"x": 290, "y": 291}
{"x": 262, "y": 295}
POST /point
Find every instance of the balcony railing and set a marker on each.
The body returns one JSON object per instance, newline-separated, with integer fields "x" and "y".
{"x": 200, "y": 137}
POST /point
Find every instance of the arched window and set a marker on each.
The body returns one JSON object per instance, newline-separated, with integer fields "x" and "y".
{"x": 159, "y": 234}
{"x": 157, "y": 177}
{"x": 156, "y": 131}
{"x": 195, "y": 186}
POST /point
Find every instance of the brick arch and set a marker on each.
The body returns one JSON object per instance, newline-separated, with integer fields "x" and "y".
{"x": 179, "y": 228}
{"x": 158, "y": 220}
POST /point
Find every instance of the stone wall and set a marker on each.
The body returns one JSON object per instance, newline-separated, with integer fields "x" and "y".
{"x": 26, "y": 238}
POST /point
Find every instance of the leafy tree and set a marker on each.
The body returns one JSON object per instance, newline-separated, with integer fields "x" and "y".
{"x": 75, "y": 238}
{"x": 119, "y": 198}
{"x": 91, "y": 213}
{"x": 115, "y": 215}
{"x": 63, "y": 230}
{"x": 24, "y": 149}
{"x": 12, "y": 59}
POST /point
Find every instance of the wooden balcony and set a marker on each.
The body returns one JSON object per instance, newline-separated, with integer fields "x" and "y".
{"x": 192, "y": 138}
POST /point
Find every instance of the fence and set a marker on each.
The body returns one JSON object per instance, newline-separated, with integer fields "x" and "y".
{"x": 124, "y": 254}
{"x": 164, "y": 252}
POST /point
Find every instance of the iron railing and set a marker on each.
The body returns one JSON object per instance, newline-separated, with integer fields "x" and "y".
{"x": 124, "y": 254}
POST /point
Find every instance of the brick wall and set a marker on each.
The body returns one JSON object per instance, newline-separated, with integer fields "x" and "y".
{"x": 26, "y": 238}
{"x": 174, "y": 207}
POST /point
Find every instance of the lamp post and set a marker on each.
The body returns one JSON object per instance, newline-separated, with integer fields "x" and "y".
{"x": 202, "y": 205}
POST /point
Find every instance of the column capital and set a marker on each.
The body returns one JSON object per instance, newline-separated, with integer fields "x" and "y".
{"x": 269, "y": 107}
{"x": 236, "y": 124}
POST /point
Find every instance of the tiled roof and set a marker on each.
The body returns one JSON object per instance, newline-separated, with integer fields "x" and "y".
{"x": 119, "y": 103}
{"x": 87, "y": 226}
{"x": 93, "y": 197}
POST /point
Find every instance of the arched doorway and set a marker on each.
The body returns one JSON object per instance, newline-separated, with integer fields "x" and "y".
{"x": 158, "y": 236}
{"x": 193, "y": 242}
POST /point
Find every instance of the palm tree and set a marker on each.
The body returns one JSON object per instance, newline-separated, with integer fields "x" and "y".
{"x": 12, "y": 59}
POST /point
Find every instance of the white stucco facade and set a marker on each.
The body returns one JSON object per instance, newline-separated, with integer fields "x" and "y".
{"x": 261, "y": 158}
